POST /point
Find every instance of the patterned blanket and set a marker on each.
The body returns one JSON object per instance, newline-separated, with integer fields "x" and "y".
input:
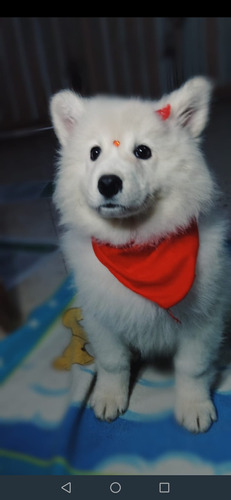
{"x": 47, "y": 426}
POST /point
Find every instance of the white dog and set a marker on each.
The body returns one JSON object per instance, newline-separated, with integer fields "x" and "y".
{"x": 144, "y": 240}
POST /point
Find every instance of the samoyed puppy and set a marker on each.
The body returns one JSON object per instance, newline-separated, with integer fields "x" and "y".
{"x": 144, "y": 240}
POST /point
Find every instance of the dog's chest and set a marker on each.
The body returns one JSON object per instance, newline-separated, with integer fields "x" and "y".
{"x": 136, "y": 320}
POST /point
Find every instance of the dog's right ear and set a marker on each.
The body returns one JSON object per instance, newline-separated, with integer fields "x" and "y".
{"x": 66, "y": 108}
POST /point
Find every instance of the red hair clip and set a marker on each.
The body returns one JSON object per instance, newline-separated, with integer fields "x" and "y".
{"x": 164, "y": 112}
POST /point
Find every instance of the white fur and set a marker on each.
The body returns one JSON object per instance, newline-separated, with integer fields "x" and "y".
{"x": 159, "y": 195}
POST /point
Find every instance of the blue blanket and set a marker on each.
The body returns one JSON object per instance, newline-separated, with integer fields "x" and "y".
{"x": 47, "y": 426}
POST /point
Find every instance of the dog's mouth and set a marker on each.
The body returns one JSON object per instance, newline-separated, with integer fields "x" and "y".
{"x": 112, "y": 210}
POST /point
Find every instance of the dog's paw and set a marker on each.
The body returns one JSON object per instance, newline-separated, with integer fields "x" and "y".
{"x": 108, "y": 405}
{"x": 195, "y": 416}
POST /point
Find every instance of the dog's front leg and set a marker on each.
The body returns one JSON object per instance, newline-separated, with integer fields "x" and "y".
{"x": 194, "y": 365}
{"x": 110, "y": 394}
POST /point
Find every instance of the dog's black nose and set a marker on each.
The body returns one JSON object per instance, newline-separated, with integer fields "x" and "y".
{"x": 109, "y": 185}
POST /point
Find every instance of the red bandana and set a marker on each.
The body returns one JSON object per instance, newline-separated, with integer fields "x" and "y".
{"x": 163, "y": 274}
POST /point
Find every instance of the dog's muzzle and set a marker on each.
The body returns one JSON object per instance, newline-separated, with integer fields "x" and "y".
{"x": 112, "y": 206}
{"x": 109, "y": 186}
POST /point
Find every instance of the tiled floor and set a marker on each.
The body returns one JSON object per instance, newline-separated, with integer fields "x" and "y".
{"x": 31, "y": 265}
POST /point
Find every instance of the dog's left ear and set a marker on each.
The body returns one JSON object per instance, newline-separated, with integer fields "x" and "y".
{"x": 66, "y": 108}
{"x": 189, "y": 105}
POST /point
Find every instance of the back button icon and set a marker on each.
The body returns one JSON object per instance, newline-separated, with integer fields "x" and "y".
{"x": 66, "y": 487}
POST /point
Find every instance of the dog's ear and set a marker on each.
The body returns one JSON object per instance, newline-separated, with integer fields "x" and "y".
{"x": 66, "y": 108}
{"x": 189, "y": 105}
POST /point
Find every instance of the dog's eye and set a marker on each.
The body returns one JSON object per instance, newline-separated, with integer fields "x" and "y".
{"x": 95, "y": 152}
{"x": 142, "y": 152}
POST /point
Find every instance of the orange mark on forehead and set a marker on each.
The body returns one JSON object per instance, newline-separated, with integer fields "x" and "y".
{"x": 116, "y": 143}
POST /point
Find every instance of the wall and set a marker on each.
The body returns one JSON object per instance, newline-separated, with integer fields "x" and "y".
{"x": 124, "y": 55}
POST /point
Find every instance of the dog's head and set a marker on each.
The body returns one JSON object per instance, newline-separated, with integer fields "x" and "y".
{"x": 132, "y": 163}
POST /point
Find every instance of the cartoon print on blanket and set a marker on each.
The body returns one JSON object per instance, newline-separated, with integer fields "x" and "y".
{"x": 76, "y": 351}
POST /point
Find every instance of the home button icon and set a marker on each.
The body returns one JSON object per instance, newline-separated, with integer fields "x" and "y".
{"x": 115, "y": 487}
